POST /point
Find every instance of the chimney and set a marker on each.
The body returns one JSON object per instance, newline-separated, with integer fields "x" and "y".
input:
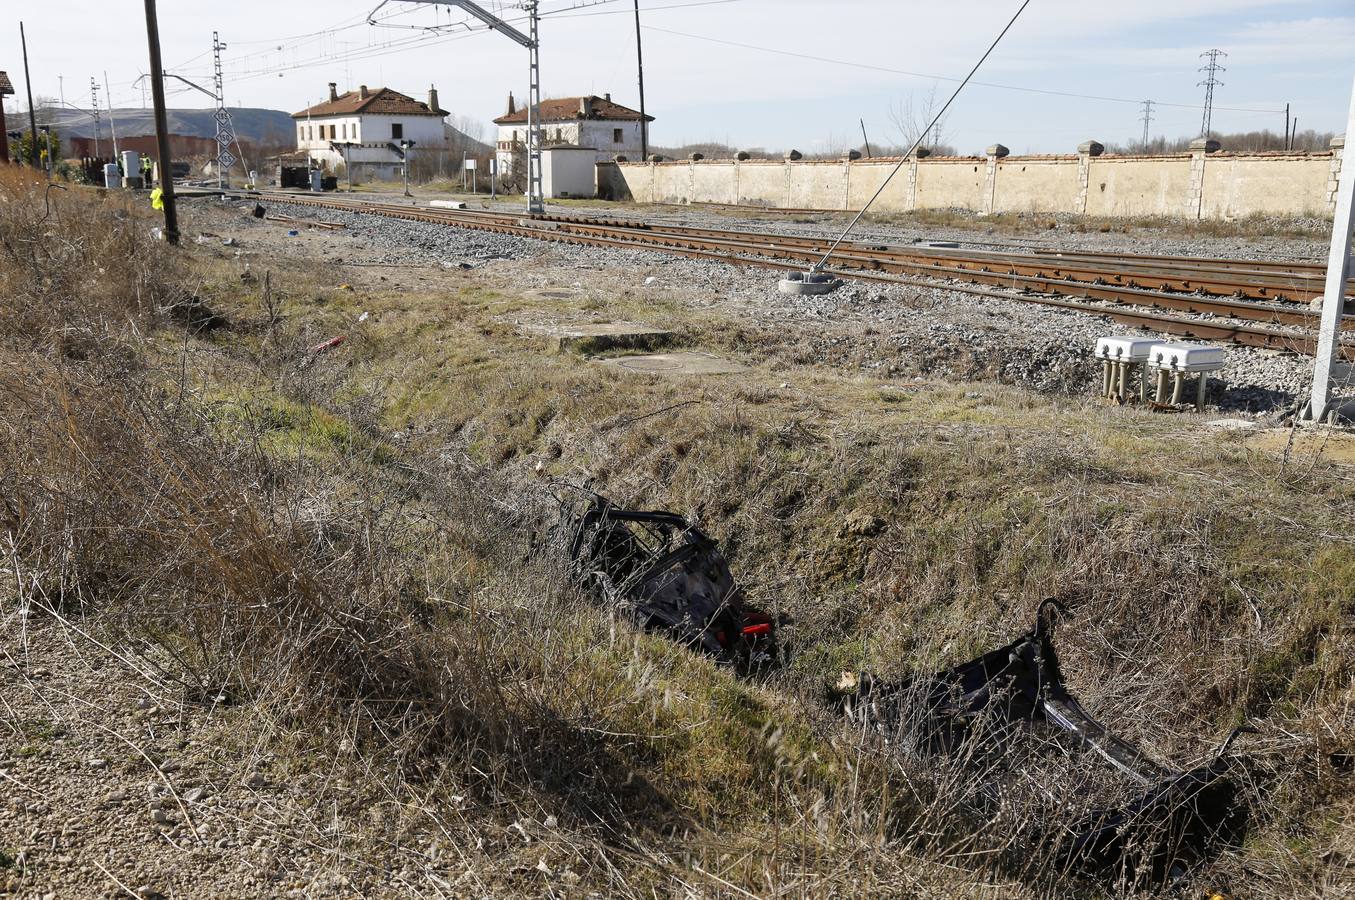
{"x": 363, "y": 93}
{"x": 432, "y": 98}
{"x": 585, "y": 107}
{"x": 608, "y": 97}
{"x": 512, "y": 107}
{"x": 333, "y": 91}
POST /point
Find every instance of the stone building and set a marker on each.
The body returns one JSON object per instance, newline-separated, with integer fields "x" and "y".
{"x": 594, "y": 122}
{"x": 363, "y": 129}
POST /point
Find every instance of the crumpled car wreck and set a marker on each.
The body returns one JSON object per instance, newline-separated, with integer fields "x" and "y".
{"x": 1082, "y": 799}
{"x": 982, "y": 713}
{"x": 668, "y": 575}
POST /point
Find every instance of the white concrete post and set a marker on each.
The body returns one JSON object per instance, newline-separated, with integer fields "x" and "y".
{"x": 1334, "y": 293}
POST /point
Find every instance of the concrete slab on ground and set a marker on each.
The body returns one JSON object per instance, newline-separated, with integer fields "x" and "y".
{"x": 595, "y": 337}
{"x": 555, "y": 294}
{"x": 679, "y": 363}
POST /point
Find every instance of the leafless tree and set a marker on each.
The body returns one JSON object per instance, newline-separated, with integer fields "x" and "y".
{"x": 911, "y": 116}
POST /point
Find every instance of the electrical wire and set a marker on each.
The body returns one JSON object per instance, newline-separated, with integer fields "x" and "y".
{"x": 433, "y": 36}
{"x": 932, "y": 77}
{"x": 902, "y": 159}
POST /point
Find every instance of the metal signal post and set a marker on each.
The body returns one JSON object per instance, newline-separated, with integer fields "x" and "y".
{"x": 225, "y": 127}
{"x": 94, "y": 105}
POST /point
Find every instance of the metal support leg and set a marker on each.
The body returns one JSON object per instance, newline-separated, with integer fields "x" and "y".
{"x": 1143, "y": 383}
{"x": 1105, "y": 378}
{"x": 535, "y": 203}
{"x": 1338, "y": 269}
{"x": 1200, "y": 391}
{"x": 1178, "y": 382}
{"x": 1161, "y": 395}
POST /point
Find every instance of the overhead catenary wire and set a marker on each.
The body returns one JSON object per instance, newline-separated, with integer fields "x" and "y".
{"x": 904, "y": 158}
{"x": 433, "y": 36}
{"x": 933, "y": 77}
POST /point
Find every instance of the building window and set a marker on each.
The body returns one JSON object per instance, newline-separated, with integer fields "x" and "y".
{"x": 616, "y": 135}
{"x": 397, "y": 131}
{"x": 345, "y": 131}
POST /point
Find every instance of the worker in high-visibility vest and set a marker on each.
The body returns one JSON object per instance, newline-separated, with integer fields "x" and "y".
{"x": 158, "y": 198}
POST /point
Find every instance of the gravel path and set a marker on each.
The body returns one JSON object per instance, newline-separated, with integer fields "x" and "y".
{"x": 888, "y": 330}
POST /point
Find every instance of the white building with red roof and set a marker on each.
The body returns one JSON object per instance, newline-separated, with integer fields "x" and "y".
{"x": 364, "y": 129}
{"x": 594, "y": 122}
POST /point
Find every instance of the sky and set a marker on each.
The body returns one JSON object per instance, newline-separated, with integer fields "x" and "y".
{"x": 771, "y": 74}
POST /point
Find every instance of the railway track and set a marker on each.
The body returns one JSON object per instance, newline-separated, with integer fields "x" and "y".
{"x": 1241, "y": 299}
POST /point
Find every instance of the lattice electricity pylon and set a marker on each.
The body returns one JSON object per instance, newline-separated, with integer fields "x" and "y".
{"x": 1211, "y": 68}
{"x": 225, "y": 126}
{"x": 532, "y": 43}
{"x": 1147, "y": 119}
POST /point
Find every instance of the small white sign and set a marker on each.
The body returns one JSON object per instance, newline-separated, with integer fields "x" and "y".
{"x": 471, "y": 165}
{"x": 493, "y": 166}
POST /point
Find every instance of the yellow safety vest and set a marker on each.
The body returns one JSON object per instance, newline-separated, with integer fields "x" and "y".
{"x": 157, "y": 201}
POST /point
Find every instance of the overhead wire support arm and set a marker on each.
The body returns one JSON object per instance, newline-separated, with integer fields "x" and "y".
{"x": 533, "y": 44}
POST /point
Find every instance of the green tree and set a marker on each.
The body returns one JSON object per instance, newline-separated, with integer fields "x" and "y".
{"x": 23, "y": 148}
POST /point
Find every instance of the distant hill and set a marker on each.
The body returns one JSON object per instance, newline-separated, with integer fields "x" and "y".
{"x": 253, "y": 125}
{"x": 257, "y": 126}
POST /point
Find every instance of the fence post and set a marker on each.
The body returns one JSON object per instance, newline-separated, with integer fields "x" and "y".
{"x": 1200, "y": 148}
{"x": 1085, "y": 151}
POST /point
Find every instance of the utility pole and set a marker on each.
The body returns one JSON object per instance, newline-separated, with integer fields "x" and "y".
{"x": 1147, "y": 117}
{"x": 866, "y": 139}
{"x": 161, "y": 125}
{"x": 1294, "y": 134}
{"x": 1211, "y": 70}
{"x": 112, "y": 120}
{"x": 32, "y": 115}
{"x": 640, "y": 67}
{"x": 94, "y": 103}
{"x": 1286, "y": 126}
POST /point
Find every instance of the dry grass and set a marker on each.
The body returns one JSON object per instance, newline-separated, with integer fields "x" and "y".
{"x": 1252, "y": 226}
{"x": 354, "y": 545}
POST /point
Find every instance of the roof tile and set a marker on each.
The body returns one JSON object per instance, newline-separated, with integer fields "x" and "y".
{"x": 380, "y": 100}
{"x": 565, "y": 109}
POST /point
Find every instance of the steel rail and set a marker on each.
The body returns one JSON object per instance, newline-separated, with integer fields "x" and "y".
{"x": 650, "y": 239}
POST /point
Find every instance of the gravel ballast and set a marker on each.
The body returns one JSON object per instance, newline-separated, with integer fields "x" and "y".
{"x": 886, "y": 330}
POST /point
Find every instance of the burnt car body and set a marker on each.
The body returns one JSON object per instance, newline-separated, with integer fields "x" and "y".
{"x": 983, "y": 710}
{"x": 667, "y": 575}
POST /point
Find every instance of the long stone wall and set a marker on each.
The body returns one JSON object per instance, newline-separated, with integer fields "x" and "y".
{"x": 1203, "y": 183}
